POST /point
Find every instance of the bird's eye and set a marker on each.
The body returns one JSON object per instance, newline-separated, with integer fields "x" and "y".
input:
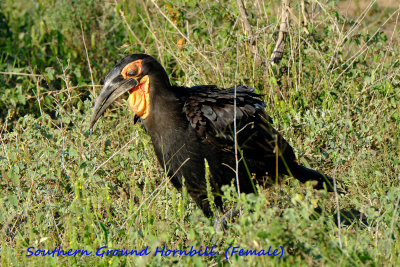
{"x": 133, "y": 72}
{"x": 133, "y": 69}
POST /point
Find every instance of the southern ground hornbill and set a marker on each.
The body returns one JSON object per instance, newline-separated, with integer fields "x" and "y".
{"x": 190, "y": 125}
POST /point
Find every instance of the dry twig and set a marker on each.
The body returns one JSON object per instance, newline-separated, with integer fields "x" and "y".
{"x": 87, "y": 57}
{"x": 249, "y": 32}
{"x": 277, "y": 54}
{"x": 130, "y": 29}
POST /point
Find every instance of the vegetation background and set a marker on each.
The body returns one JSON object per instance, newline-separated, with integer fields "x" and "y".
{"x": 334, "y": 96}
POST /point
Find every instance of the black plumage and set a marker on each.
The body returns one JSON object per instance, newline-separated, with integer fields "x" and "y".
{"x": 190, "y": 125}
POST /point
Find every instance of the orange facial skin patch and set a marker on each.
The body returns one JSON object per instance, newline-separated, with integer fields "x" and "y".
{"x": 139, "y": 98}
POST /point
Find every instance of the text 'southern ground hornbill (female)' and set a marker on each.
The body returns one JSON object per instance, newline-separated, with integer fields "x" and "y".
{"x": 190, "y": 125}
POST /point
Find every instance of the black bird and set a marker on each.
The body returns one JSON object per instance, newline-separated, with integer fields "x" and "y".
{"x": 190, "y": 125}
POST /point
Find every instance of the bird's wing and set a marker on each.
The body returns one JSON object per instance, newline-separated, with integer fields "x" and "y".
{"x": 211, "y": 111}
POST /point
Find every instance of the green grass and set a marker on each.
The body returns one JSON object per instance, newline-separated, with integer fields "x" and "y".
{"x": 335, "y": 99}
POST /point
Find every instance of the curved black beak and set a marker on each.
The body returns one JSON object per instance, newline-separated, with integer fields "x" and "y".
{"x": 110, "y": 92}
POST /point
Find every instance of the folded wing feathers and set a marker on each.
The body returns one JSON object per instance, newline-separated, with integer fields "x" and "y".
{"x": 210, "y": 110}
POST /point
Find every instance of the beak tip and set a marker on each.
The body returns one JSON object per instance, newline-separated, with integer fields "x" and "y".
{"x": 93, "y": 121}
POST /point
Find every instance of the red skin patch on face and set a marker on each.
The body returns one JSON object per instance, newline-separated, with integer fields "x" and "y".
{"x": 140, "y": 86}
{"x": 136, "y": 65}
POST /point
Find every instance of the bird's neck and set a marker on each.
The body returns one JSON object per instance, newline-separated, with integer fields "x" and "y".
{"x": 165, "y": 126}
{"x": 165, "y": 111}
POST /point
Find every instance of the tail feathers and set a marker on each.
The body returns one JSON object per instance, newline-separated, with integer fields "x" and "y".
{"x": 304, "y": 174}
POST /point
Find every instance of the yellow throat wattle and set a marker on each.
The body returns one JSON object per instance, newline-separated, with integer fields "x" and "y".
{"x": 139, "y": 98}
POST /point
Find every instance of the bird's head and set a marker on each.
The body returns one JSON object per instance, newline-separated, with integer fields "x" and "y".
{"x": 138, "y": 74}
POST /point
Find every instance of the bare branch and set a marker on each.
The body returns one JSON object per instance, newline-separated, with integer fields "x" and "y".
{"x": 87, "y": 57}
{"x": 152, "y": 30}
{"x": 304, "y": 12}
{"x": 249, "y": 32}
{"x": 297, "y": 21}
{"x": 130, "y": 29}
{"x": 20, "y": 74}
{"x": 280, "y": 43}
{"x": 243, "y": 16}
{"x": 185, "y": 37}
